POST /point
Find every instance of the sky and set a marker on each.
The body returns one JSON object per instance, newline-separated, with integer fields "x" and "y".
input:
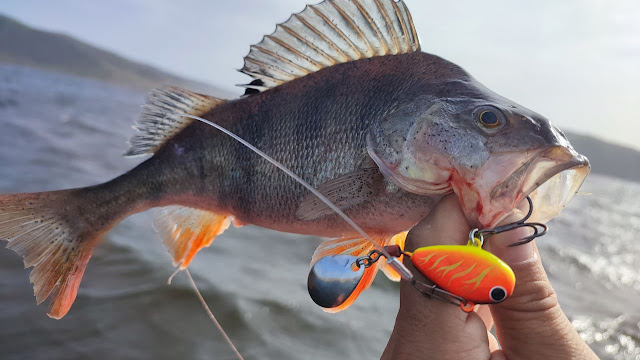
{"x": 575, "y": 61}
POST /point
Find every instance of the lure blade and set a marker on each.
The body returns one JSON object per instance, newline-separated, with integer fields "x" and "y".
{"x": 333, "y": 279}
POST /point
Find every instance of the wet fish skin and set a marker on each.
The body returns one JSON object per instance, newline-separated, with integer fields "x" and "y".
{"x": 434, "y": 142}
{"x": 317, "y": 126}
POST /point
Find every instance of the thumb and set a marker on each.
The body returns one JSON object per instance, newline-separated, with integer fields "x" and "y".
{"x": 429, "y": 328}
{"x": 530, "y": 324}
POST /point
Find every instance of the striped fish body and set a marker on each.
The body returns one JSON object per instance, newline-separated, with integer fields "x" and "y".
{"x": 320, "y": 82}
{"x": 317, "y": 127}
{"x": 467, "y": 271}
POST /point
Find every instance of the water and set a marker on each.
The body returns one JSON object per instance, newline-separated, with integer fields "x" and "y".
{"x": 58, "y": 131}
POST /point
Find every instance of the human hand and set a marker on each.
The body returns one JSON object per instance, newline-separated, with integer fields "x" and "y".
{"x": 529, "y": 324}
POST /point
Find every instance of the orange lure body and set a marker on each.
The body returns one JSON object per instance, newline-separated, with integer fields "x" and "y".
{"x": 466, "y": 271}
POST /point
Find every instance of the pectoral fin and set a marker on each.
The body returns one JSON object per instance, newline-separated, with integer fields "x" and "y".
{"x": 346, "y": 191}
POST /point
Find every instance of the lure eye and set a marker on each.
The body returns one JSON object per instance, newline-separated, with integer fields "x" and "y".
{"x": 490, "y": 118}
{"x": 497, "y": 294}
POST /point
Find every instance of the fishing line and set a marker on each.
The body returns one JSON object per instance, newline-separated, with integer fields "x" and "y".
{"x": 207, "y": 309}
{"x": 211, "y": 316}
{"x": 170, "y": 279}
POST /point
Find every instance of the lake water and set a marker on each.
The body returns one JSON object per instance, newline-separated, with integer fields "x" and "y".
{"x": 58, "y": 131}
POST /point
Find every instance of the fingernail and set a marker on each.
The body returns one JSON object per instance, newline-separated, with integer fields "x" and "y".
{"x": 516, "y": 254}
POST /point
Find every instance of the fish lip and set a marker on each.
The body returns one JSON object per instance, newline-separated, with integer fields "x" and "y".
{"x": 575, "y": 161}
{"x": 533, "y": 174}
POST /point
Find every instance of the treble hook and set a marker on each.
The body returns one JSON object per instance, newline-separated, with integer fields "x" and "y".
{"x": 539, "y": 229}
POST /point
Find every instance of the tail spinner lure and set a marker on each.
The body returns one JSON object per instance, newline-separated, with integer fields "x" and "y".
{"x": 463, "y": 275}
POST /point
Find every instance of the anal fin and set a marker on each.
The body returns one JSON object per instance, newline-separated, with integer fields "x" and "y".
{"x": 186, "y": 230}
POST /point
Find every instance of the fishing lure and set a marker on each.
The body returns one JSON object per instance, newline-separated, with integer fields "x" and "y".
{"x": 468, "y": 273}
{"x": 463, "y": 275}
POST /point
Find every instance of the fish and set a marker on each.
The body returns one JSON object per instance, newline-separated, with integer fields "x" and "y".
{"x": 468, "y": 271}
{"x": 342, "y": 95}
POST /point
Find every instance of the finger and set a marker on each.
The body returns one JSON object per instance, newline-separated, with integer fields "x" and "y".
{"x": 446, "y": 224}
{"x": 530, "y": 323}
{"x": 428, "y": 328}
{"x": 498, "y": 355}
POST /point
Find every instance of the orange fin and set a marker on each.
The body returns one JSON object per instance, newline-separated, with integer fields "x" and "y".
{"x": 52, "y": 234}
{"x": 350, "y": 246}
{"x": 399, "y": 240}
{"x": 186, "y": 230}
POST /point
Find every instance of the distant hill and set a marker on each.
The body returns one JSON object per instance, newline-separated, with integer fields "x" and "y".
{"x": 23, "y": 45}
{"x": 608, "y": 158}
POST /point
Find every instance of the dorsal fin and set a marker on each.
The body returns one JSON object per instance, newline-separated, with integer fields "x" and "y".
{"x": 155, "y": 127}
{"x": 330, "y": 33}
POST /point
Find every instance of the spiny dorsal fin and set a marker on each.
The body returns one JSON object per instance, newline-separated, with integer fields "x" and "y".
{"x": 156, "y": 127}
{"x": 330, "y": 33}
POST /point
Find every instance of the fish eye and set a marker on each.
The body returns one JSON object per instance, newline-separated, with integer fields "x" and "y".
{"x": 497, "y": 294}
{"x": 490, "y": 118}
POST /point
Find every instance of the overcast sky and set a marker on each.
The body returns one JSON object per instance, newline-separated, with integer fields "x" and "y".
{"x": 575, "y": 61}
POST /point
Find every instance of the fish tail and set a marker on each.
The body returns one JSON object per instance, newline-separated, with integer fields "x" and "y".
{"x": 55, "y": 233}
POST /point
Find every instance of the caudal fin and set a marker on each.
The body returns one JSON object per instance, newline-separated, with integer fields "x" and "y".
{"x": 53, "y": 233}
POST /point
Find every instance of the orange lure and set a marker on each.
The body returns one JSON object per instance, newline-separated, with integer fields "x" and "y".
{"x": 467, "y": 271}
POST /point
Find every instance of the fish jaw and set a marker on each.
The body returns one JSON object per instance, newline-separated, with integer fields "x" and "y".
{"x": 551, "y": 177}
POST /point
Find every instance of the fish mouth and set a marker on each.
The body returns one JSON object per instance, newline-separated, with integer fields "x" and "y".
{"x": 551, "y": 178}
